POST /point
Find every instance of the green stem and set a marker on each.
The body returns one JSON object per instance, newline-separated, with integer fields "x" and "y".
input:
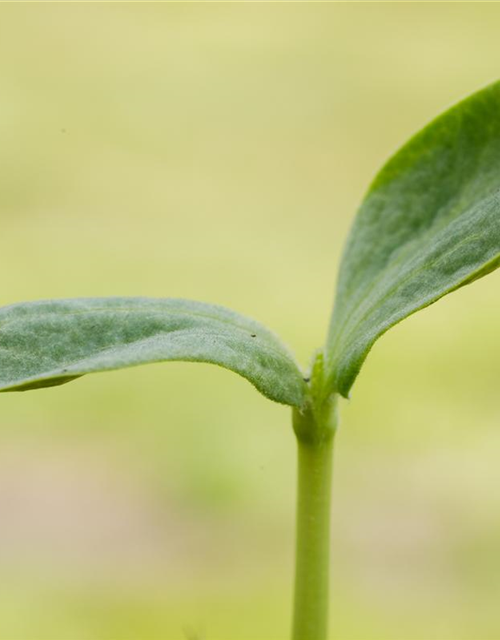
{"x": 315, "y": 427}
{"x": 310, "y": 620}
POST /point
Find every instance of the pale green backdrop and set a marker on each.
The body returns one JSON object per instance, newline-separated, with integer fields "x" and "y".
{"x": 219, "y": 152}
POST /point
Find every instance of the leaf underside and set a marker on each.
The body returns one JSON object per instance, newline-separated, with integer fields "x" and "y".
{"x": 52, "y": 342}
{"x": 429, "y": 224}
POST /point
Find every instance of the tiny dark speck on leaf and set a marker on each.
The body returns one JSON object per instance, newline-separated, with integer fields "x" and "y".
{"x": 253, "y": 335}
{"x": 307, "y": 379}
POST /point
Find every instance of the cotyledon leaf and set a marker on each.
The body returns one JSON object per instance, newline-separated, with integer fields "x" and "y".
{"x": 429, "y": 224}
{"x": 51, "y": 342}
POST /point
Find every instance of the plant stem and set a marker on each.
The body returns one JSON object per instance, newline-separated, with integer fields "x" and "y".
{"x": 315, "y": 425}
{"x": 315, "y": 462}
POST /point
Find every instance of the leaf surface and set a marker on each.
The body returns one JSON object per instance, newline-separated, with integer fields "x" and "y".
{"x": 429, "y": 224}
{"x": 51, "y": 342}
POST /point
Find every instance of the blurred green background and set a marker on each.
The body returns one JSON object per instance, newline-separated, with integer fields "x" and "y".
{"x": 219, "y": 152}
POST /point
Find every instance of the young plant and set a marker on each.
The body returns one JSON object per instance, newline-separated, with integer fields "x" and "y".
{"x": 429, "y": 224}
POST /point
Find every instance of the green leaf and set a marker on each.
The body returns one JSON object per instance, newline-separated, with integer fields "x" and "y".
{"x": 429, "y": 224}
{"x": 51, "y": 342}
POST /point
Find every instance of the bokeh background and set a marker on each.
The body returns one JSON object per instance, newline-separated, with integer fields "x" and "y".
{"x": 219, "y": 152}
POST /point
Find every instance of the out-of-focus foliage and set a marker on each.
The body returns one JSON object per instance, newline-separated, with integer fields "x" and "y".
{"x": 219, "y": 152}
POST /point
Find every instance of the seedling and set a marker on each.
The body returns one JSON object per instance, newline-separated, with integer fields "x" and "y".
{"x": 429, "y": 224}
